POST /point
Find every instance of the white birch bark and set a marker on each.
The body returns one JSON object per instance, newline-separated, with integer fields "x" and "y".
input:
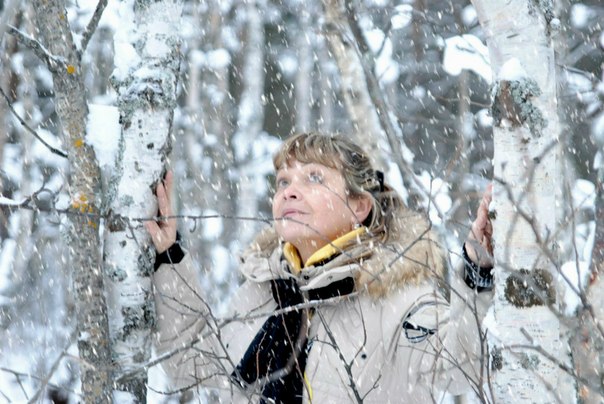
{"x": 250, "y": 118}
{"x": 588, "y": 356}
{"x": 304, "y": 82}
{"x": 524, "y": 206}
{"x": 147, "y": 97}
{"x": 326, "y": 114}
{"x": 9, "y": 82}
{"x": 366, "y": 128}
{"x": 84, "y": 189}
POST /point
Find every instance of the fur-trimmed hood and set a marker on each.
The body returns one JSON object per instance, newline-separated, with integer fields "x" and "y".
{"x": 411, "y": 256}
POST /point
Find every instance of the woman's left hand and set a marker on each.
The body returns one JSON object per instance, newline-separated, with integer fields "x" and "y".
{"x": 163, "y": 232}
{"x": 478, "y": 243}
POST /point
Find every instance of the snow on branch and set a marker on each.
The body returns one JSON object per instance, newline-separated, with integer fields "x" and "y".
{"x": 467, "y": 52}
{"x": 52, "y": 62}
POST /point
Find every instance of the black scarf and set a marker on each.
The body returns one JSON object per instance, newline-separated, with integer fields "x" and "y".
{"x": 276, "y": 358}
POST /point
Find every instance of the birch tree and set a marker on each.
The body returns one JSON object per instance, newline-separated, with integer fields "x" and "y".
{"x": 526, "y": 134}
{"x": 588, "y": 340}
{"x": 250, "y": 117}
{"x": 147, "y": 89}
{"x": 366, "y": 128}
{"x": 304, "y": 85}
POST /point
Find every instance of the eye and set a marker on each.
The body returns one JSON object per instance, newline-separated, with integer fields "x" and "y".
{"x": 282, "y": 183}
{"x": 315, "y": 178}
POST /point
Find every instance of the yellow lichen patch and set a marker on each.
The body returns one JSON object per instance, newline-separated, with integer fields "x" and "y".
{"x": 80, "y": 202}
{"x": 92, "y": 224}
{"x": 78, "y": 143}
{"x": 71, "y": 69}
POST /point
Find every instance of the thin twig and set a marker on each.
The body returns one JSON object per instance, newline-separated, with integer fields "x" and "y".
{"x": 53, "y": 368}
{"x": 553, "y": 359}
{"x": 19, "y": 375}
{"x": 29, "y": 129}
{"x": 92, "y": 26}
{"x": 347, "y": 364}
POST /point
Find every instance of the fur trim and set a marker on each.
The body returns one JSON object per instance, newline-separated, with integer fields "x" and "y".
{"x": 410, "y": 256}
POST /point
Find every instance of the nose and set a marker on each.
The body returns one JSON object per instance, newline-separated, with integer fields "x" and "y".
{"x": 291, "y": 192}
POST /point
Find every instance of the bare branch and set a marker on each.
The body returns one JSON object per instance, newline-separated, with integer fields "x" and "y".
{"x": 21, "y": 375}
{"x": 553, "y": 359}
{"x": 91, "y": 27}
{"x": 52, "y": 370}
{"x": 29, "y": 129}
{"x": 52, "y": 62}
{"x": 347, "y": 364}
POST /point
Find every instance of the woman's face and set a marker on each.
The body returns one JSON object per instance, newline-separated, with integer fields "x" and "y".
{"x": 311, "y": 207}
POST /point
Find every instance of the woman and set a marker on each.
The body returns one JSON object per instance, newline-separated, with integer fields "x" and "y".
{"x": 341, "y": 300}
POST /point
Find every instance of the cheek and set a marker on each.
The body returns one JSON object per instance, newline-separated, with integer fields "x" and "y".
{"x": 275, "y": 205}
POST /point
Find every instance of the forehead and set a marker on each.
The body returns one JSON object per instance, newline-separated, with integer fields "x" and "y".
{"x": 295, "y": 165}
{"x": 322, "y": 153}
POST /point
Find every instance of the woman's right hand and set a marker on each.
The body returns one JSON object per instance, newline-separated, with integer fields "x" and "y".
{"x": 163, "y": 232}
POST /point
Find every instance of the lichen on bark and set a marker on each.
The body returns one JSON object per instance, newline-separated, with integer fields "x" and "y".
{"x": 513, "y": 102}
{"x": 526, "y": 288}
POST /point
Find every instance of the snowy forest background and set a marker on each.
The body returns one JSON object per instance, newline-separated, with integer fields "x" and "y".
{"x": 251, "y": 74}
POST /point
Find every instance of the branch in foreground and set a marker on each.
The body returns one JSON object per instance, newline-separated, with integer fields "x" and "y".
{"x": 20, "y": 375}
{"x": 29, "y": 129}
{"x": 53, "y": 368}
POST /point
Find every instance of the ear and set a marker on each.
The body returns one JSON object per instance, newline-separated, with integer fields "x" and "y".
{"x": 362, "y": 207}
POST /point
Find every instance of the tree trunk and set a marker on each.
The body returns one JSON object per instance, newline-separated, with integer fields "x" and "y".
{"x": 250, "y": 119}
{"x": 361, "y": 110}
{"x": 84, "y": 190}
{"x": 147, "y": 97}
{"x": 325, "y": 92}
{"x": 304, "y": 80}
{"x": 588, "y": 350}
{"x": 526, "y": 132}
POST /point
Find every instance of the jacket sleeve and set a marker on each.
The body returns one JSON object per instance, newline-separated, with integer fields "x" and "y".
{"x": 181, "y": 317}
{"x": 445, "y": 338}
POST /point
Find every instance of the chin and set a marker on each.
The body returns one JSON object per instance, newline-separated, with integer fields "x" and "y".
{"x": 294, "y": 233}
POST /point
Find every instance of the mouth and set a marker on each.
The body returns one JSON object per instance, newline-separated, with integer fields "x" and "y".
{"x": 288, "y": 213}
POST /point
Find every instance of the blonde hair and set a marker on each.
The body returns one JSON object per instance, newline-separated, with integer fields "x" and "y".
{"x": 335, "y": 151}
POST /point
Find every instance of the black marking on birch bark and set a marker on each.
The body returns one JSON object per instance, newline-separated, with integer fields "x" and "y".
{"x": 527, "y": 288}
{"x": 546, "y": 7}
{"x": 513, "y": 103}
{"x": 529, "y": 362}
{"x": 116, "y": 223}
{"x": 117, "y": 274}
{"x": 492, "y": 214}
{"x": 126, "y": 200}
{"x": 137, "y": 317}
{"x": 146, "y": 261}
{"x": 496, "y": 359}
